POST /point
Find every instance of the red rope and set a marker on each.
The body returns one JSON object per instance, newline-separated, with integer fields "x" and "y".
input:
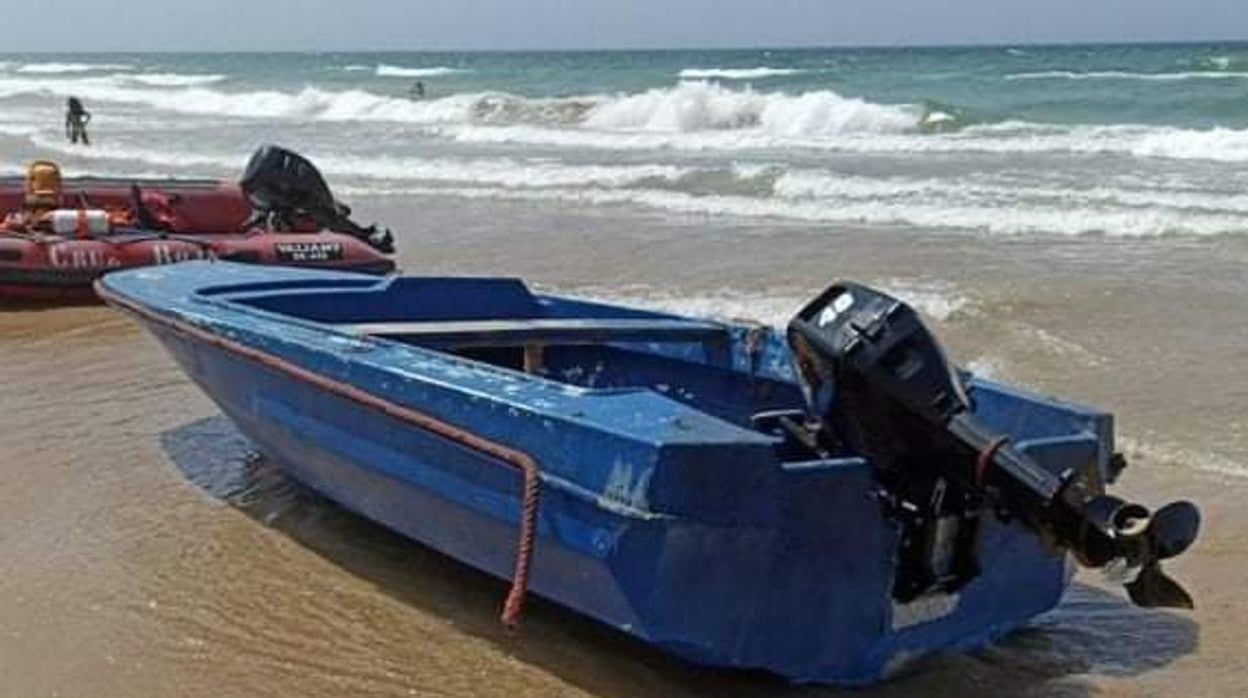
{"x": 985, "y": 458}
{"x": 514, "y": 603}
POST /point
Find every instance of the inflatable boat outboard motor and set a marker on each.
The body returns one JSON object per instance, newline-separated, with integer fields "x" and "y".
{"x": 878, "y": 381}
{"x": 284, "y": 187}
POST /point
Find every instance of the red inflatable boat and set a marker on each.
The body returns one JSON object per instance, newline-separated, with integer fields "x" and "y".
{"x": 57, "y": 237}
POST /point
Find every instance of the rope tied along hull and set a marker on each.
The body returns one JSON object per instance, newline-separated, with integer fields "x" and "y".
{"x": 513, "y": 605}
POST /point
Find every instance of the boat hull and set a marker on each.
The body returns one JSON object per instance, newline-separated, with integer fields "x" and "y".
{"x": 710, "y": 594}
{"x": 199, "y": 219}
{"x": 206, "y": 206}
{"x": 57, "y": 269}
{"x": 796, "y": 580}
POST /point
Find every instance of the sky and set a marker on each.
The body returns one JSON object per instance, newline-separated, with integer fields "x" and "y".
{"x": 260, "y": 25}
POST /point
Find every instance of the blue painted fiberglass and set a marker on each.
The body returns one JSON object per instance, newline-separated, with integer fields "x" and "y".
{"x": 664, "y": 512}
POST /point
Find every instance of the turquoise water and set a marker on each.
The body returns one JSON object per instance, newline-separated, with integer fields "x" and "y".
{"x": 1125, "y": 140}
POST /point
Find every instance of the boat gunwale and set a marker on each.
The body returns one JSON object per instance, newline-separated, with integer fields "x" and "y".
{"x": 221, "y": 297}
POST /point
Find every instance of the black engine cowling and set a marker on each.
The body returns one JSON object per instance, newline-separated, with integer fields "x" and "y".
{"x": 876, "y": 378}
{"x": 284, "y": 188}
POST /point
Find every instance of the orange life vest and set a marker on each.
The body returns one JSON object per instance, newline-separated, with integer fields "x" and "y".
{"x": 43, "y": 184}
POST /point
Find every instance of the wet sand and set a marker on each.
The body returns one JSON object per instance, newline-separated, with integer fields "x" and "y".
{"x": 147, "y": 551}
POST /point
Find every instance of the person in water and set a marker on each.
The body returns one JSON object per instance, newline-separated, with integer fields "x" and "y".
{"x": 418, "y": 90}
{"x": 76, "y": 120}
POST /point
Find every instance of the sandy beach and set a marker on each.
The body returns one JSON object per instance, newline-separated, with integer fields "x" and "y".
{"x": 148, "y": 551}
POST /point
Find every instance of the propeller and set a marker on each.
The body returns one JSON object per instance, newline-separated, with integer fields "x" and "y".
{"x": 1171, "y": 531}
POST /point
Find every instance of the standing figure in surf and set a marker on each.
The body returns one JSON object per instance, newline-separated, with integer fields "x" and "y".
{"x": 76, "y": 120}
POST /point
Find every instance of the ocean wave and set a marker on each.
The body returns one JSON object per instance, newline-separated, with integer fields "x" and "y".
{"x": 737, "y": 73}
{"x": 992, "y": 219}
{"x": 1217, "y": 62}
{"x": 506, "y": 173}
{"x": 701, "y": 106}
{"x": 985, "y": 191}
{"x": 18, "y": 130}
{"x": 1164, "y": 142}
{"x": 775, "y": 307}
{"x": 1122, "y": 75}
{"x": 58, "y": 68}
{"x": 174, "y": 79}
{"x": 309, "y": 103}
{"x": 395, "y": 71}
{"x": 975, "y": 203}
{"x": 691, "y": 116}
{"x": 1168, "y": 454}
{"x": 685, "y": 108}
{"x": 313, "y": 103}
{"x": 775, "y": 182}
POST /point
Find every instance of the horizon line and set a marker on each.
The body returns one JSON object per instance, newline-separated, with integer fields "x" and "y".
{"x": 658, "y": 49}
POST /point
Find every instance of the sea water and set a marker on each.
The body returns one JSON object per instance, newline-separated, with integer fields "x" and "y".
{"x": 1118, "y": 140}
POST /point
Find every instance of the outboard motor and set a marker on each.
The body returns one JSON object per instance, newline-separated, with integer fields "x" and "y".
{"x": 877, "y": 379}
{"x": 284, "y": 187}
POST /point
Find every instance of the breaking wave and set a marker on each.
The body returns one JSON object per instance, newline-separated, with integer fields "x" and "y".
{"x": 685, "y": 108}
{"x": 394, "y": 71}
{"x": 174, "y": 79}
{"x": 1221, "y": 74}
{"x": 937, "y": 300}
{"x": 59, "y": 68}
{"x": 507, "y": 173}
{"x": 1216, "y": 144}
{"x": 927, "y": 213}
{"x": 700, "y": 106}
{"x": 985, "y": 203}
{"x": 689, "y": 116}
{"x": 737, "y": 73}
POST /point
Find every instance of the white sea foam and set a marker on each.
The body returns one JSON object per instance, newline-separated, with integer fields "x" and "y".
{"x": 830, "y": 186}
{"x": 1220, "y": 74}
{"x": 395, "y": 71}
{"x": 58, "y": 68}
{"x": 772, "y": 308}
{"x": 309, "y": 103}
{"x": 174, "y": 79}
{"x": 689, "y": 107}
{"x": 988, "y": 367}
{"x": 1217, "y": 144}
{"x": 981, "y": 202}
{"x": 689, "y": 116}
{"x": 928, "y": 214}
{"x": 736, "y": 73}
{"x": 18, "y": 130}
{"x": 1162, "y": 453}
{"x": 506, "y": 173}
{"x": 937, "y": 300}
{"x": 700, "y": 106}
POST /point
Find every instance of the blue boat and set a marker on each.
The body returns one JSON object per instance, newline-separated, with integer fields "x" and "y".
{"x": 737, "y": 496}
